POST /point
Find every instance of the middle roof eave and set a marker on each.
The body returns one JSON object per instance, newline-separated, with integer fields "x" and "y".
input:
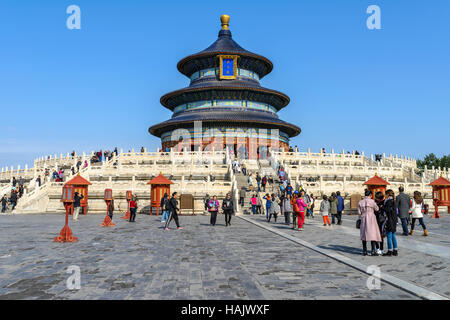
{"x": 260, "y": 94}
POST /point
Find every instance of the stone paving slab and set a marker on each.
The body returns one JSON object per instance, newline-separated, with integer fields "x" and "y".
{"x": 429, "y": 271}
{"x": 141, "y": 261}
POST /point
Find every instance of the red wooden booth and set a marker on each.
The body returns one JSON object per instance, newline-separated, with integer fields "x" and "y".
{"x": 159, "y": 186}
{"x": 441, "y": 195}
{"x": 80, "y": 185}
{"x": 376, "y": 184}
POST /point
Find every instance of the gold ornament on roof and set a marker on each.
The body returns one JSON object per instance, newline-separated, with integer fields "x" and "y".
{"x": 225, "y": 19}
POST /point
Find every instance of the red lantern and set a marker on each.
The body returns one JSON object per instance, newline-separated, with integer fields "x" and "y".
{"x": 108, "y": 198}
{"x": 441, "y": 195}
{"x": 129, "y": 195}
{"x": 81, "y": 186}
{"x": 67, "y": 198}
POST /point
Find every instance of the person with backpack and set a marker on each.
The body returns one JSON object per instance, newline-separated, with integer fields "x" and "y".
{"x": 390, "y": 209}
{"x": 173, "y": 207}
{"x": 213, "y": 208}
{"x": 268, "y": 204}
{"x": 340, "y": 207}
{"x": 299, "y": 208}
{"x": 324, "y": 210}
{"x": 264, "y": 182}
{"x": 333, "y": 207}
{"x": 228, "y": 209}
{"x": 274, "y": 208}
{"x": 165, "y": 208}
{"x": 286, "y": 208}
{"x": 258, "y": 181}
{"x": 417, "y": 210}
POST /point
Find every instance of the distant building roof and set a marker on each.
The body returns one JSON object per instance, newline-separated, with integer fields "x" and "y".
{"x": 160, "y": 180}
{"x": 376, "y": 181}
{"x": 78, "y": 181}
{"x": 440, "y": 182}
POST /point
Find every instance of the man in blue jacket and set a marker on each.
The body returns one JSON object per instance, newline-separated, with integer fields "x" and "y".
{"x": 340, "y": 207}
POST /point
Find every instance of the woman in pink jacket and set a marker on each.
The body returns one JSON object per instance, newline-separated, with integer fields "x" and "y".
{"x": 301, "y": 208}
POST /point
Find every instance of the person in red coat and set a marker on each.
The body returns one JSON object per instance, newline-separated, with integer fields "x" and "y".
{"x": 133, "y": 208}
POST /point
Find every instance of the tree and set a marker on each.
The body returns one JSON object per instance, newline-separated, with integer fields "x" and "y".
{"x": 431, "y": 160}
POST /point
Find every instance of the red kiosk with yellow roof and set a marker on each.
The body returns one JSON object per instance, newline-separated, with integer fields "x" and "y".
{"x": 441, "y": 195}
{"x": 376, "y": 184}
{"x": 80, "y": 185}
{"x": 159, "y": 186}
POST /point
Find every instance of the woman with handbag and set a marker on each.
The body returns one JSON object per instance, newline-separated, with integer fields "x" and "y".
{"x": 213, "y": 208}
{"x": 417, "y": 211}
{"x": 369, "y": 227}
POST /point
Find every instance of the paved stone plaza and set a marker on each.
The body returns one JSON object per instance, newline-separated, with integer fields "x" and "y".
{"x": 141, "y": 261}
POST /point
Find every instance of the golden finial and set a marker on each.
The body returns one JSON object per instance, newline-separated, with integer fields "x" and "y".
{"x": 225, "y": 19}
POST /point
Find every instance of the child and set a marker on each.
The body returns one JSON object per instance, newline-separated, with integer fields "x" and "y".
{"x": 324, "y": 210}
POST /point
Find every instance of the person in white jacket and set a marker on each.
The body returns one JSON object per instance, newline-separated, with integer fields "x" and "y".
{"x": 417, "y": 210}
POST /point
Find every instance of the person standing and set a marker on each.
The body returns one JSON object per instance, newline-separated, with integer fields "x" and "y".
{"x": 165, "y": 208}
{"x": 369, "y": 227}
{"x": 242, "y": 194}
{"x": 324, "y": 210}
{"x": 286, "y": 208}
{"x": 274, "y": 208}
{"x": 228, "y": 209}
{"x": 173, "y": 205}
{"x": 14, "y": 181}
{"x": 250, "y": 182}
{"x": 403, "y": 205}
{"x": 301, "y": 210}
{"x": 4, "y": 202}
{"x": 258, "y": 181}
{"x": 340, "y": 207}
{"x": 391, "y": 223}
{"x": 268, "y": 204}
{"x": 111, "y": 209}
{"x": 258, "y": 204}
{"x": 311, "y": 208}
{"x": 333, "y": 207}
{"x": 206, "y": 201}
{"x": 418, "y": 209}
{"x": 254, "y": 203}
{"x": 133, "y": 209}
{"x": 38, "y": 181}
{"x": 213, "y": 208}
{"x": 13, "y": 200}
{"x": 77, "y": 205}
{"x": 264, "y": 182}
{"x": 381, "y": 219}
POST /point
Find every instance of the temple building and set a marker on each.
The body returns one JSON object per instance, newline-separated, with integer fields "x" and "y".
{"x": 224, "y": 104}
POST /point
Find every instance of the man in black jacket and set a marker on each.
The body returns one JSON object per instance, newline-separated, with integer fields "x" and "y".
{"x": 76, "y": 205}
{"x": 13, "y": 200}
{"x": 173, "y": 207}
{"x": 228, "y": 209}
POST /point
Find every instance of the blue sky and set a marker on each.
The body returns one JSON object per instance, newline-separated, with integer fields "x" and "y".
{"x": 351, "y": 88}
